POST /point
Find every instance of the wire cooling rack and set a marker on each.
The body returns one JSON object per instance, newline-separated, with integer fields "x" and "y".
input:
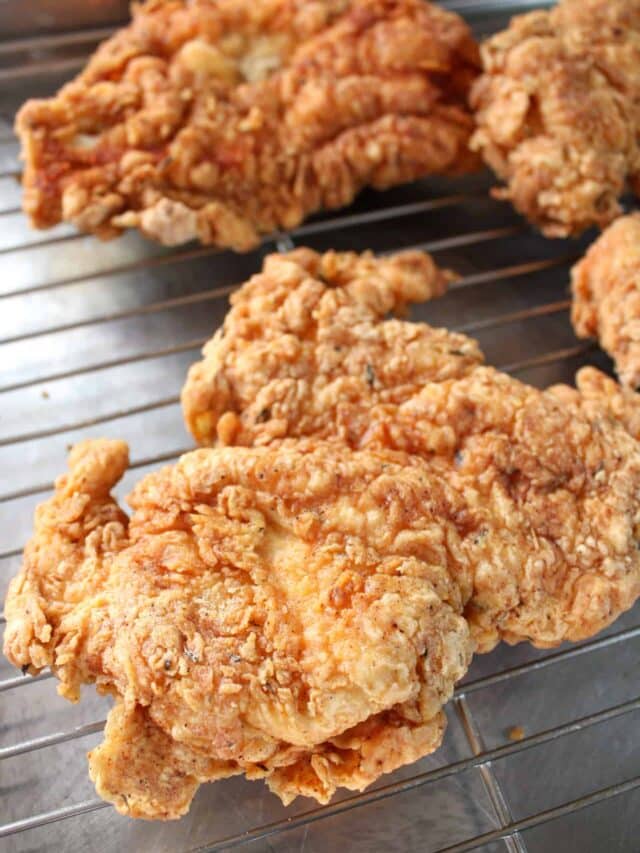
{"x": 542, "y": 751}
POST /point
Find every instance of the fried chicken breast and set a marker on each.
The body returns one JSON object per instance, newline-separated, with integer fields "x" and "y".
{"x": 558, "y": 114}
{"x": 289, "y": 613}
{"x": 606, "y": 296}
{"x": 223, "y": 121}
{"x": 550, "y": 491}
{"x": 305, "y": 348}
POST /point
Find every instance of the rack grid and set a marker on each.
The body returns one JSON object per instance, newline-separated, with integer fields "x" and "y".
{"x": 95, "y": 338}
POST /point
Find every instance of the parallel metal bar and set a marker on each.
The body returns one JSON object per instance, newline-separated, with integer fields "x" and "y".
{"x": 45, "y": 818}
{"x": 548, "y": 358}
{"x": 511, "y": 272}
{"x": 350, "y": 220}
{"x": 548, "y": 660}
{"x": 101, "y": 419}
{"x": 545, "y": 816}
{"x": 36, "y": 69}
{"x": 44, "y": 488}
{"x": 515, "y": 316}
{"x": 463, "y": 239}
{"x": 226, "y": 290}
{"x": 20, "y": 680}
{"x": 366, "y": 797}
{"x": 481, "y": 7}
{"x": 105, "y": 365}
{"x": 489, "y": 779}
{"x": 14, "y": 552}
{"x": 46, "y": 42}
{"x": 51, "y": 740}
{"x": 38, "y": 243}
{"x": 152, "y": 308}
{"x": 368, "y": 217}
{"x": 116, "y": 269}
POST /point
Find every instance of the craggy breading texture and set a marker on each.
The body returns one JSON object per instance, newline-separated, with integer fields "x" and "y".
{"x": 601, "y": 396}
{"x": 288, "y": 613}
{"x": 222, "y": 121}
{"x": 306, "y": 349}
{"x": 558, "y": 111}
{"x": 550, "y": 492}
{"x": 606, "y": 296}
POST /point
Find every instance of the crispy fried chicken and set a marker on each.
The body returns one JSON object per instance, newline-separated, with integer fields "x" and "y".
{"x": 289, "y": 613}
{"x": 300, "y": 611}
{"x": 558, "y": 113}
{"x": 305, "y": 349}
{"x": 551, "y": 492}
{"x": 606, "y": 296}
{"x": 223, "y": 121}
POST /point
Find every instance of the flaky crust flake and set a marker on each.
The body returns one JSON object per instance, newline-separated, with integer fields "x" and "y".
{"x": 223, "y": 121}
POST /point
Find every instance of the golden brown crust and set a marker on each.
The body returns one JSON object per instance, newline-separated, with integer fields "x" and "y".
{"x": 285, "y": 612}
{"x": 549, "y": 522}
{"x": 78, "y": 533}
{"x": 606, "y": 296}
{"x": 557, "y": 111}
{"x": 225, "y": 120}
{"x": 552, "y": 505}
{"x": 305, "y": 349}
{"x": 601, "y": 396}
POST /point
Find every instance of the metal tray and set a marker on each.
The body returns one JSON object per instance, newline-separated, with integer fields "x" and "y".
{"x": 95, "y": 339}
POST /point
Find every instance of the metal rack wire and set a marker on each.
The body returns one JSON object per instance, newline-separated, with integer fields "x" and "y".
{"x": 96, "y": 338}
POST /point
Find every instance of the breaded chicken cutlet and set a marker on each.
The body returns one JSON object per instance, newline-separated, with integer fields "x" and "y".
{"x": 289, "y": 613}
{"x": 558, "y": 112}
{"x": 606, "y": 296}
{"x": 224, "y": 121}
{"x": 300, "y": 611}
{"x": 551, "y": 491}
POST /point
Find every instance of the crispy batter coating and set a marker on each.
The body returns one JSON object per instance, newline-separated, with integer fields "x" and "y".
{"x": 606, "y": 296}
{"x": 550, "y": 492}
{"x": 79, "y": 531}
{"x": 305, "y": 348}
{"x": 226, "y": 120}
{"x": 558, "y": 113}
{"x": 288, "y": 612}
{"x": 600, "y": 395}
{"x": 553, "y": 504}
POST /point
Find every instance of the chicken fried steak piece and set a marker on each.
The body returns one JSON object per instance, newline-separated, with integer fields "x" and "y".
{"x": 306, "y": 348}
{"x": 288, "y": 613}
{"x": 606, "y": 296}
{"x": 558, "y": 112}
{"x": 550, "y": 491}
{"x": 223, "y": 121}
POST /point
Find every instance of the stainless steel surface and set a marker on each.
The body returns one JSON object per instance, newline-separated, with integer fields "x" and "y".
{"x": 24, "y": 18}
{"x": 95, "y": 339}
